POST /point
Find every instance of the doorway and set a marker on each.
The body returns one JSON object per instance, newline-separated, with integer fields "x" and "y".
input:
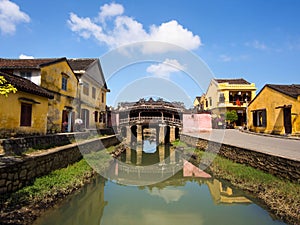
{"x": 287, "y": 116}
{"x": 67, "y": 121}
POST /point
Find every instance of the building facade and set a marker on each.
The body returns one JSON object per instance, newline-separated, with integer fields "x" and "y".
{"x": 92, "y": 92}
{"x": 225, "y": 95}
{"x": 276, "y": 110}
{"x": 78, "y": 87}
{"x": 57, "y": 77}
{"x": 24, "y": 112}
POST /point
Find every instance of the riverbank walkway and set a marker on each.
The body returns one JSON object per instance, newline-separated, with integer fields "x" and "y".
{"x": 273, "y": 145}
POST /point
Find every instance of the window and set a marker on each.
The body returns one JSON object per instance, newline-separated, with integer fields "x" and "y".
{"x": 102, "y": 98}
{"x": 85, "y": 117}
{"x": 221, "y": 98}
{"x": 26, "y": 111}
{"x": 26, "y": 75}
{"x": 86, "y": 88}
{"x": 93, "y": 92}
{"x": 64, "y": 83}
{"x": 210, "y": 101}
{"x": 259, "y": 118}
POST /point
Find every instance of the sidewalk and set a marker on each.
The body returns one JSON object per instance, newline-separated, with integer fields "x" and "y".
{"x": 285, "y": 147}
{"x": 272, "y": 135}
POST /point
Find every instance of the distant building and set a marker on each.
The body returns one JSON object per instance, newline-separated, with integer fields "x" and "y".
{"x": 225, "y": 95}
{"x": 199, "y": 103}
{"x": 276, "y": 110}
{"x": 23, "y": 112}
{"x": 92, "y": 91}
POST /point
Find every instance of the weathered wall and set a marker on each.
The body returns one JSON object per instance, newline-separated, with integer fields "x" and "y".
{"x": 278, "y": 166}
{"x": 51, "y": 79}
{"x": 16, "y": 172}
{"x": 10, "y": 112}
{"x": 196, "y": 122}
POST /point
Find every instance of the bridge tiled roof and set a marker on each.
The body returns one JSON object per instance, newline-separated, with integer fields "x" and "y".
{"x": 151, "y": 102}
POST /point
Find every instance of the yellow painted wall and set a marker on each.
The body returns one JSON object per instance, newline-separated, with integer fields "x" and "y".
{"x": 93, "y": 104}
{"x": 10, "y": 112}
{"x": 51, "y": 79}
{"x": 269, "y": 99}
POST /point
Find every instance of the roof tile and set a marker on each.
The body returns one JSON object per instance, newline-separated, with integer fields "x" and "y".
{"x": 26, "y": 85}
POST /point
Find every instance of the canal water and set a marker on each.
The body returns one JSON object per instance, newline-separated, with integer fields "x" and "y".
{"x": 180, "y": 198}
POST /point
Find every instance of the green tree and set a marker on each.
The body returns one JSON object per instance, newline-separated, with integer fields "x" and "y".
{"x": 5, "y": 87}
{"x": 231, "y": 116}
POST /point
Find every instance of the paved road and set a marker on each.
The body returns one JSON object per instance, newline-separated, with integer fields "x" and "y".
{"x": 284, "y": 147}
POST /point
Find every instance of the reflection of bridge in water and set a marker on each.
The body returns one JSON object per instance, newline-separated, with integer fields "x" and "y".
{"x": 163, "y": 117}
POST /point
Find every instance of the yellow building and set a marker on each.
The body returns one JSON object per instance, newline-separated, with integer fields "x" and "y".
{"x": 91, "y": 93}
{"x": 23, "y": 112}
{"x": 56, "y": 76}
{"x": 225, "y": 95}
{"x": 276, "y": 110}
{"x": 199, "y": 103}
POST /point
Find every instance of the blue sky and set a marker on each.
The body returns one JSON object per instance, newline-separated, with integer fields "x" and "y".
{"x": 255, "y": 40}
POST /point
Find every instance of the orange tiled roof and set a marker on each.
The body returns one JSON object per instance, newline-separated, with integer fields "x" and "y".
{"x": 26, "y": 85}
{"x": 26, "y": 63}
{"x": 232, "y": 81}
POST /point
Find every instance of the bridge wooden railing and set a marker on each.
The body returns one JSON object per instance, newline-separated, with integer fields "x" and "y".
{"x": 150, "y": 119}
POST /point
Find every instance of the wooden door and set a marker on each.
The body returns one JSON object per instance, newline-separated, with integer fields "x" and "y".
{"x": 287, "y": 120}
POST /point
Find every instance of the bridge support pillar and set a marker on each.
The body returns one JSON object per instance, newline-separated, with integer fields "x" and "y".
{"x": 139, "y": 134}
{"x": 172, "y": 133}
{"x": 162, "y": 133}
{"x": 128, "y": 135}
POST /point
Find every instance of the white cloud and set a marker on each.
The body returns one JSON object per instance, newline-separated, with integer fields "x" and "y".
{"x": 165, "y": 68}
{"x": 257, "y": 45}
{"x": 10, "y": 16}
{"x": 225, "y": 58}
{"x": 127, "y": 30}
{"x": 110, "y": 10}
{"x": 22, "y": 56}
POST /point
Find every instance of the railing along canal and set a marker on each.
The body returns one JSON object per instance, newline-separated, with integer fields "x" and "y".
{"x": 154, "y": 119}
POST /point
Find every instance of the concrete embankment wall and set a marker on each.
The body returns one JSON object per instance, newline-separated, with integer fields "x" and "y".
{"x": 276, "y": 165}
{"x": 17, "y": 172}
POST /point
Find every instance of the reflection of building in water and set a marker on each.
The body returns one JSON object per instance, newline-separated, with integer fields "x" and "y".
{"x": 223, "y": 194}
{"x": 84, "y": 208}
{"x": 189, "y": 170}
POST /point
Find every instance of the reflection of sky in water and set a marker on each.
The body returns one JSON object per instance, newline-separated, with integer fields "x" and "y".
{"x": 176, "y": 201}
{"x": 149, "y": 147}
{"x": 169, "y": 194}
